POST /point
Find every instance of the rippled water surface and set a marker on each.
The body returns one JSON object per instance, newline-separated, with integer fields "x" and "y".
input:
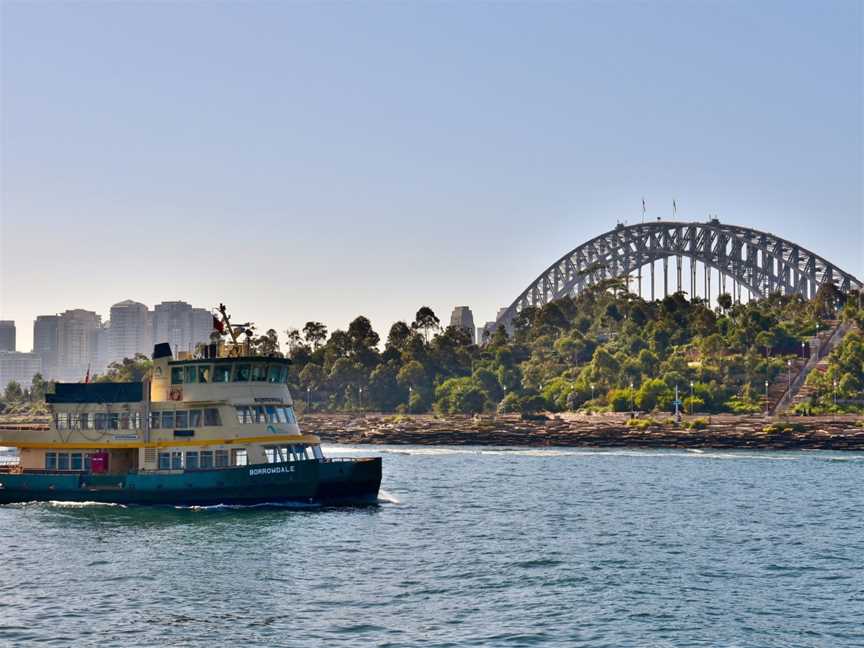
{"x": 470, "y": 547}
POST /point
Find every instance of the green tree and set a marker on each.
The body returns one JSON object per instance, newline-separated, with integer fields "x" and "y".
{"x": 315, "y": 334}
{"x": 426, "y": 320}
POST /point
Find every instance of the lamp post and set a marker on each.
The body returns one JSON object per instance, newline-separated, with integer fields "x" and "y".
{"x": 308, "y": 398}
{"x": 766, "y": 398}
{"x": 592, "y": 391}
{"x": 802, "y": 349}
{"x": 360, "y": 397}
{"x": 789, "y": 379}
{"x": 410, "y": 391}
{"x": 691, "y": 397}
{"x": 834, "y": 395}
{"x": 631, "y": 400}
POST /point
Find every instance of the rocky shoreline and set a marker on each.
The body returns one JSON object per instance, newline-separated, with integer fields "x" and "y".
{"x": 601, "y": 430}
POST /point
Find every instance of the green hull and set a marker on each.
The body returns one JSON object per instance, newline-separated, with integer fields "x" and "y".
{"x": 324, "y": 482}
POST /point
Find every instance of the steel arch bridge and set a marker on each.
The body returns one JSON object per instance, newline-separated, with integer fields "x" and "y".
{"x": 755, "y": 261}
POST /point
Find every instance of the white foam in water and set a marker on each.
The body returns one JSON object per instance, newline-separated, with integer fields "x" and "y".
{"x": 71, "y": 505}
{"x": 384, "y": 496}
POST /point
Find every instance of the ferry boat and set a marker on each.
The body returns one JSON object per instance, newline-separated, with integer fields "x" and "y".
{"x": 216, "y": 428}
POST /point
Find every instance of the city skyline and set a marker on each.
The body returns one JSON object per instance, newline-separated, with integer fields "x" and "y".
{"x": 455, "y": 174}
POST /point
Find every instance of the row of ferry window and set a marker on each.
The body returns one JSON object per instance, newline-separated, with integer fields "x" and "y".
{"x": 134, "y": 420}
{"x": 223, "y": 373}
{"x": 77, "y": 461}
{"x": 298, "y": 452}
{"x": 264, "y": 414}
{"x": 202, "y": 459}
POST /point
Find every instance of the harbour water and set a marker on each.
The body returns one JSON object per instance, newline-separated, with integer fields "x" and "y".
{"x": 469, "y": 547}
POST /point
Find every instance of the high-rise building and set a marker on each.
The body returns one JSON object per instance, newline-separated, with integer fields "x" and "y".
{"x": 45, "y": 343}
{"x": 180, "y": 325}
{"x": 130, "y": 331}
{"x": 463, "y": 318}
{"x": 7, "y": 335}
{"x": 78, "y": 343}
{"x": 18, "y": 367}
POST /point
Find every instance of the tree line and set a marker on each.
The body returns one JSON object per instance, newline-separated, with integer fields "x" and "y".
{"x": 604, "y": 349}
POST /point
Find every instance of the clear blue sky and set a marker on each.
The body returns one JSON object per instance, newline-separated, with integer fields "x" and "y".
{"x": 322, "y": 160}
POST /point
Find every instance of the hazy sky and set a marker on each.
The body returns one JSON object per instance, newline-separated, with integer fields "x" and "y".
{"x": 322, "y": 160}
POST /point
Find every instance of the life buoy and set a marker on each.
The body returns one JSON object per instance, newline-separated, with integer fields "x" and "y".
{"x": 175, "y": 394}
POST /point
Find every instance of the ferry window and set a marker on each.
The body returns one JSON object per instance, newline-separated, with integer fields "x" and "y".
{"x": 283, "y": 375}
{"x": 164, "y": 461}
{"x": 221, "y": 458}
{"x": 274, "y": 374}
{"x": 88, "y": 461}
{"x": 113, "y": 421}
{"x": 259, "y": 372}
{"x": 300, "y": 451}
{"x": 206, "y": 458}
{"x": 154, "y": 420}
{"x": 63, "y": 461}
{"x": 168, "y": 419}
{"x": 211, "y": 416}
{"x": 243, "y": 414}
{"x": 281, "y": 415}
{"x": 76, "y": 461}
{"x": 260, "y": 414}
{"x": 124, "y": 421}
{"x": 176, "y": 375}
{"x": 176, "y": 460}
{"x": 181, "y": 419}
{"x": 316, "y": 451}
{"x": 222, "y": 374}
{"x": 239, "y": 457}
{"x": 84, "y": 421}
{"x": 204, "y": 374}
{"x": 270, "y": 454}
{"x": 191, "y": 374}
{"x": 100, "y": 420}
{"x": 242, "y": 373}
{"x": 50, "y": 461}
{"x": 192, "y": 460}
{"x": 271, "y": 414}
{"x": 194, "y": 418}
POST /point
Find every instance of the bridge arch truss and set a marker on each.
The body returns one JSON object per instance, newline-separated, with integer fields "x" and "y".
{"x": 755, "y": 261}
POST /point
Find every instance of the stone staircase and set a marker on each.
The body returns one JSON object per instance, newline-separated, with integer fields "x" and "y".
{"x": 797, "y": 391}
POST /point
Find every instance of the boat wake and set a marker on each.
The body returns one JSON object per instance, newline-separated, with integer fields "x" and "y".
{"x": 65, "y": 505}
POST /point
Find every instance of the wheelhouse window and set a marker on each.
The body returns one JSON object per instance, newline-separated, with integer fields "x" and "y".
{"x": 204, "y": 372}
{"x": 242, "y": 373}
{"x": 274, "y": 374}
{"x": 191, "y": 374}
{"x": 259, "y": 372}
{"x": 176, "y": 375}
{"x": 195, "y": 418}
{"x": 222, "y": 373}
